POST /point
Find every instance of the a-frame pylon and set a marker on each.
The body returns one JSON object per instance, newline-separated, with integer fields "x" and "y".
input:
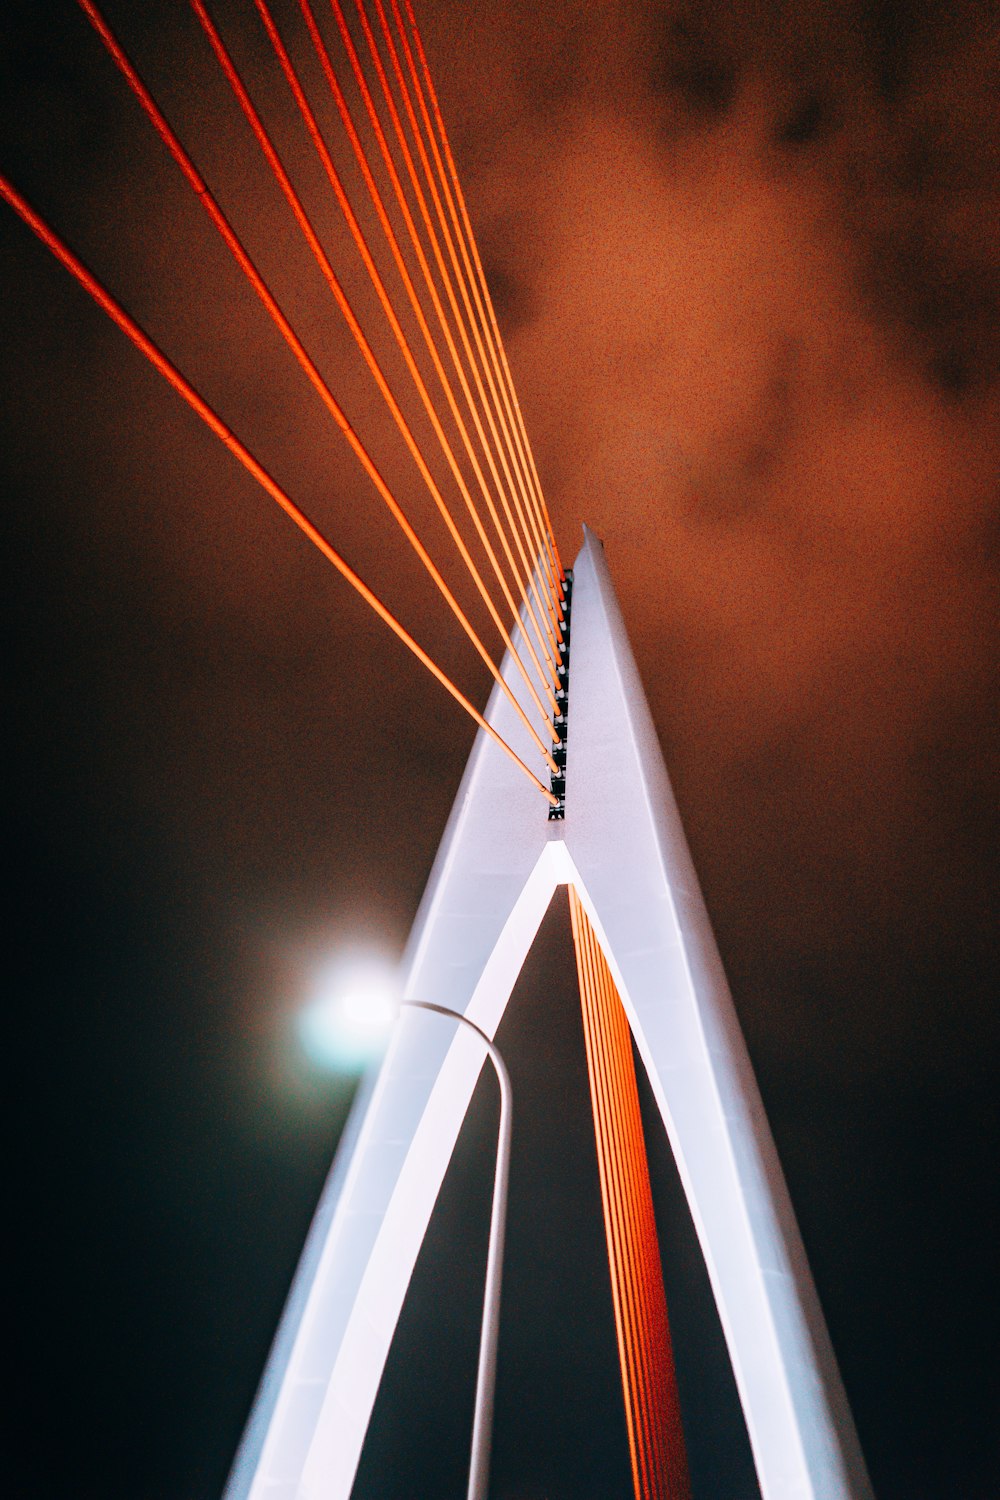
{"x": 623, "y": 848}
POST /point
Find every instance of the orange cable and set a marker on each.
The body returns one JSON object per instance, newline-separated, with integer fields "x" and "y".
{"x": 645, "y": 1393}
{"x": 668, "y": 1459}
{"x": 309, "y": 119}
{"x": 433, "y": 239}
{"x": 649, "y": 1291}
{"x": 672, "y": 1435}
{"x": 626, "y": 1266}
{"x": 670, "y": 1451}
{"x": 618, "y": 1032}
{"x": 470, "y": 322}
{"x": 656, "y": 1300}
{"x": 525, "y": 510}
{"x": 519, "y": 492}
{"x": 347, "y": 120}
{"x": 593, "y": 1074}
{"x": 614, "y": 1069}
{"x": 197, "y": 182}
{"x": 670, "y": 1428}
{"x": 598, "y": 1095}
{"x": 386, "y": 151}
{"x": 435, "y": 105}
{"x": 264, "y": 140}
{"x": 184, "y": 388}
{"x": 510, "y": 392}
{"x": 648, "y": 1376}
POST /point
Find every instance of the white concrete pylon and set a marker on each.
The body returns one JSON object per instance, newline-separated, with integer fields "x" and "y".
{"x": 623, "y": 848}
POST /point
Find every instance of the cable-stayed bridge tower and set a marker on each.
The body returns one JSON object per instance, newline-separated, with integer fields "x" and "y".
{"x": 565, "y": 786}
{"x": 638, "y": 915}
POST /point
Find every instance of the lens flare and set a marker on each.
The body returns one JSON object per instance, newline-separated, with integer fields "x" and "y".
{"x": 346, "y": 1026}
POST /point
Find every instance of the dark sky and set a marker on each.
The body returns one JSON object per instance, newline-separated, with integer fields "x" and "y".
{"x": 747, "y": 263}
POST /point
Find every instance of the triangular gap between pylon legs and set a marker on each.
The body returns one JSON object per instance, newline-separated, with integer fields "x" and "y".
{"x": 560, "y": 1426}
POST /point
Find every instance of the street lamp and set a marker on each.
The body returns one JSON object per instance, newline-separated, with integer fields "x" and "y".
{"x": 482, "y": 1425}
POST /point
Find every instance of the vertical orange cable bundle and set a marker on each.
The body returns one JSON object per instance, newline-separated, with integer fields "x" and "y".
{"x": 435, "y": 178}
{"x": 652, "y": 1411}
{"x": 361, "y": 241}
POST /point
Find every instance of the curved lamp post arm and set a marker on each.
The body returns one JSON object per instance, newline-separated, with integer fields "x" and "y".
{"x": 482, "y": 1427}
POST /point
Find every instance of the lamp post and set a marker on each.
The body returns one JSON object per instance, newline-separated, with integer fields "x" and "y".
{"x": 482, "y": 1425}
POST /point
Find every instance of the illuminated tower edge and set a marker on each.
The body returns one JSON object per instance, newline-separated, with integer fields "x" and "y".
{"x": 622, "y": 847}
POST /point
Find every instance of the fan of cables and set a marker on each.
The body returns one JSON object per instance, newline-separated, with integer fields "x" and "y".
{"x": 480, "y": 477}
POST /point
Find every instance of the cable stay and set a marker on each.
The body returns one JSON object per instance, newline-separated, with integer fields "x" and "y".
{"x": 434, "y": 178}
{"x": 652, "y": 1409}
{"x": 523, "y": 528}
{"x": 256, "y": 280}
{"x": 322, "y": 259}
{"x": 214, "y": 422}
{"x": 415, "y": 241}
{"x": 501, "y": 528}
{"x": 531, "y": 563}
{"x": 360, "y": 240}
{"x": 508, "y": 383}
{"x": 448, "y": 281}
{"x": 392, "y": 241}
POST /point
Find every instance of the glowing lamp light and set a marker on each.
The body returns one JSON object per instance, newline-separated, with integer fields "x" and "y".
{"x": 347, "y": 1024}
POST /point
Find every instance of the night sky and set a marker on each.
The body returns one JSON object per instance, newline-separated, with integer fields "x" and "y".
{"x": 747, "y": 265}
